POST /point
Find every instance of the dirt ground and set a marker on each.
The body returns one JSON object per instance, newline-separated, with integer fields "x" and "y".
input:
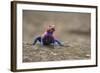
{"x": 72, "y": 29}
